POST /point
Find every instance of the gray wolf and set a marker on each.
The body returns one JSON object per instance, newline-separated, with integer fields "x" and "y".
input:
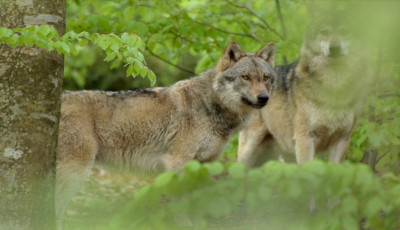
{"x": 158, "y": 129}
{"x": 317, "y": 101}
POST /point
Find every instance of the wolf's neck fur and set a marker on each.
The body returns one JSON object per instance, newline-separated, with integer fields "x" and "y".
{"x": 227, "y": 118}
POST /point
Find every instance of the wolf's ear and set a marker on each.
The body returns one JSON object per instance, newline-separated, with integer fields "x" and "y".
{"x": 268, "y": 54}
{"x": 232, "y": 54}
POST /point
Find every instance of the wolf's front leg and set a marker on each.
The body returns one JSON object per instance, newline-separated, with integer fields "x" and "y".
{"x": 304, "y": 148}
{"x": 250, "y": 138}
{"x": 175, "y": 161}
{"x": 338, "y": 151}
{"x": 182, "y": 151}
{"x": 201, "y": 146}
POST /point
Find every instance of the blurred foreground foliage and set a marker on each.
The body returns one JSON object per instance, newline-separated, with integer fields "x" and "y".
{"x": 274, "y": 196}
{"x": 179, "y": 39}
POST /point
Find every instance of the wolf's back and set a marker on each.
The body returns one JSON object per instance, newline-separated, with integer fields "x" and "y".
{"x": 286, "y": 75}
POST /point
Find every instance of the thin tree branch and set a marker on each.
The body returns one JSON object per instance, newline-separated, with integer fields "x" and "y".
{"x": 181, "y": 37}
{"x": 372, "y": 161}
{"x": 379, "y": 158}
{"x": 251, "y": 27}
{"x": 250, "y": 11}
{"x": 170, "y": 63}
{"x": 230, "y": 32}
{"x": 282, "y": 22}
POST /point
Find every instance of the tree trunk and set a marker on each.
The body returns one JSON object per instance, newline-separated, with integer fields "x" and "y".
{"x": 30, "y": 91}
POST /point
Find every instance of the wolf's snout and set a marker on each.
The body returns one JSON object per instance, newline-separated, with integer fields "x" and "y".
{"x": 335, "y": 50}
{"x": 262, "y": 98}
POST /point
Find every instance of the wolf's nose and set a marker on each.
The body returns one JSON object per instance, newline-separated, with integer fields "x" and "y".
{"x": 262, "y": 98}
{"x": 335, "y": 50}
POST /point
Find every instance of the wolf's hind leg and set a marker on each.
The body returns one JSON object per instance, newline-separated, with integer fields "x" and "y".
{"x": 70, "y": 178}
{"x": 76, "y": 154}
{"x": 250, "y": 139}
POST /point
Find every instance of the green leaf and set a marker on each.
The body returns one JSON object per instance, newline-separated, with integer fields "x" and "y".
{"x": 315, "y": 167}
{"x": 114, "y": 46}
{"x": 141, "y": 193}
{"x": 350, "y": 223}
{"x": 83, "y": 42}
{"x": 138, "y": 63}
{"x": 119, "y": 55}
{"x": 110, "y": 56}
{"x": 103, "y": 42}
{"x": 79, "y": 80}
{"x": 130, "y": 70}
{"x": 264, "y": 193}
{"x": 294, "y": 190}
{"x": 152, "y": 77}
{"x": 143, "y": 72}
{"x": 84, "y": 34}
{"x": 350, "y": 205}
{"x": 74, "y": 50}
{"x": 237, "y": 170}
{"x": 5, "y": 32}
{"x": 192, "y": 165}
{"x": 164, "y": 179}
{"x": 70, "y": 35}
{"x": 373, "y": 206}
{"x": 136, "y": 69}
{"x": 115, "y": 64}
{"x": 44, "y": 30}
{"x": 130, "y": 40}
{"x": 219, "y": 207}
{"x": 65, "y": 48}
{"x": 141, "y": 44}
{"x": 27, "y": 40}
{"x": 214, "y": 168}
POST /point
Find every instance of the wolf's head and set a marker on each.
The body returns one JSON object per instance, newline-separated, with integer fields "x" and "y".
{"x": 327, "y": 36}
{"x": 245, "y": 79}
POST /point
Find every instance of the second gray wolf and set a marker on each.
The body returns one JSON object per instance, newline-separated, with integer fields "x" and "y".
{"x": 317, "y": 101}
{"x": 158, "y": 129}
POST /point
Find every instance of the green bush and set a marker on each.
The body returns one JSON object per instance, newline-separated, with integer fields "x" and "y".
{"x": 275, "y": 196}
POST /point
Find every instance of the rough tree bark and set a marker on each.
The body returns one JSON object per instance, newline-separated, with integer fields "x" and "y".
{"x": 30, "y": 90}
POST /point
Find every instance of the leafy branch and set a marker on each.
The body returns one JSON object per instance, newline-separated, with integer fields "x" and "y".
{"x": 252, "y": 36}
{"x": 282, "y": 22}
{"x": 126, "y": 48}
{"x": 169, "y": 63}
{"x": 251, "y": 12}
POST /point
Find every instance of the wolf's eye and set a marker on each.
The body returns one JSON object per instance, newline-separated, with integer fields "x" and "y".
{"x": 246, "y": 77}
{"x": 266, "y": 77}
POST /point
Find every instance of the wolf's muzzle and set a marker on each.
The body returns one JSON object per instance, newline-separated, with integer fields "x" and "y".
{"x": 262, "y": 98}
{"x": 257, "y": 105}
